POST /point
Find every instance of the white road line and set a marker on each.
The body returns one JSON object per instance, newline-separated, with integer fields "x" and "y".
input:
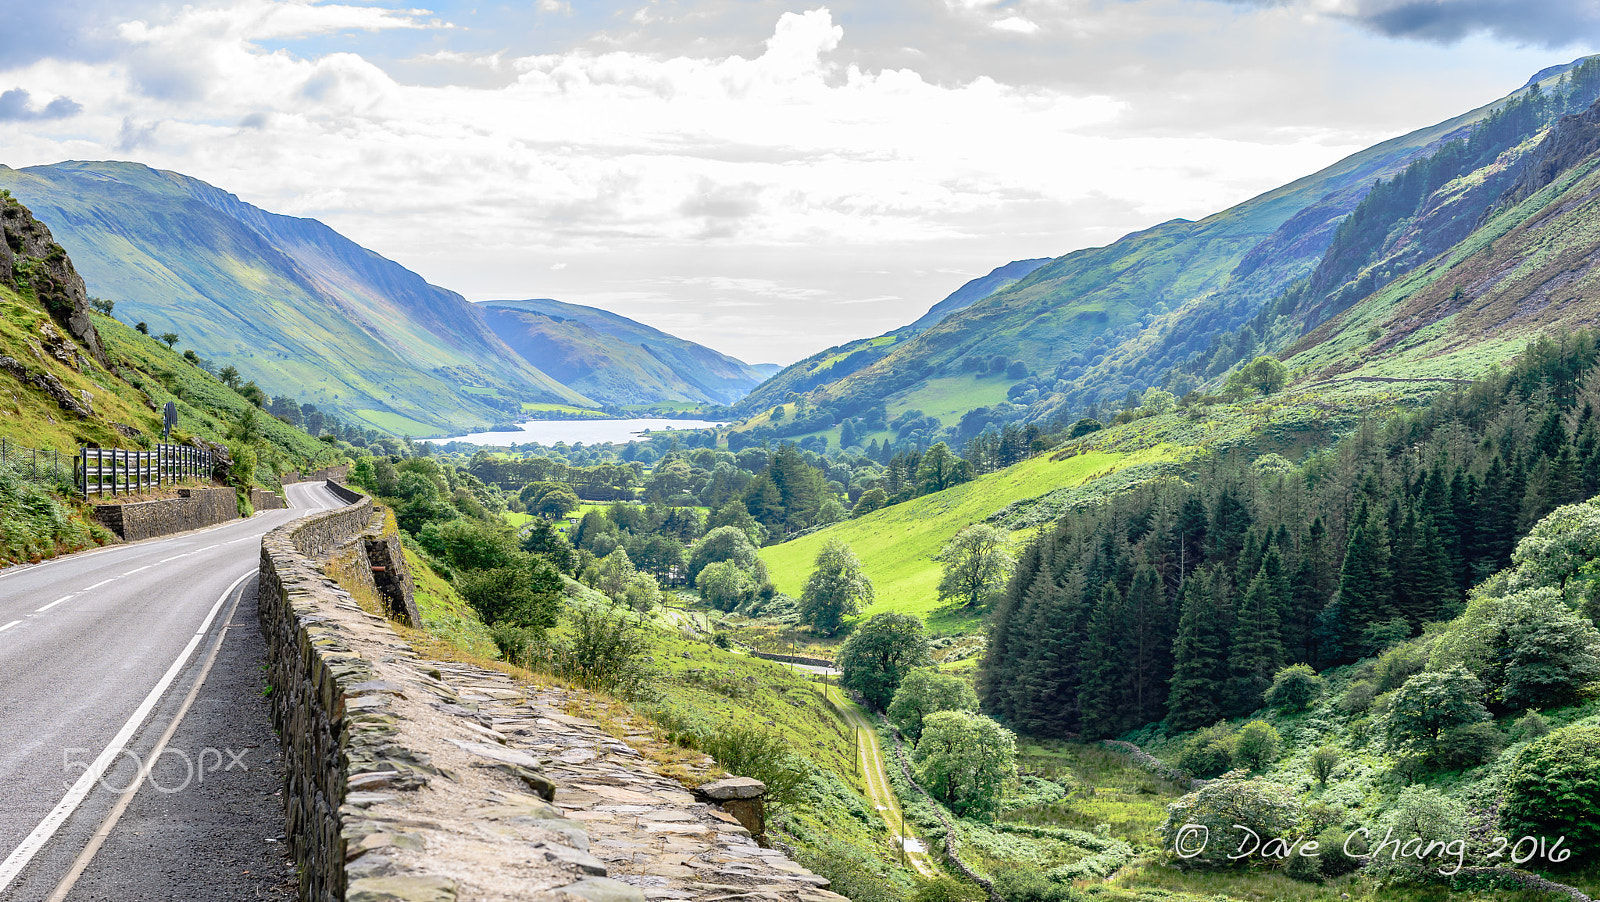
{"x": 6, "y": 627}
{"x": 209, "y": 547}
{"x": 174, "y": 557}
{"x": 19, "y": 857}
{"x": 99, "y": 584}
{"x": 137, "y": 569}
{"x": 236, "y": 541}
{"x": 52, "y": 604}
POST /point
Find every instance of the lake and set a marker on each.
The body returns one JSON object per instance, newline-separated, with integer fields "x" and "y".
{"x": 590, "y": 432}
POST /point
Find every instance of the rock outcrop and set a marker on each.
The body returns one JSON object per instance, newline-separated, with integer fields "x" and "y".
{"x": 30, "y": 259}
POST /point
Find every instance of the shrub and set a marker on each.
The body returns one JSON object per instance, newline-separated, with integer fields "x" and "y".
{"x": 1323, "y": 761}
{"x": 603, "y": 652}
{"x": 1531, "y": 725}
{"x": 725, "y": 585}
{"x": 1332, "y": 844}
{"x": 1468, "y": 746}
{"x": 1025, "y": 884}
{"x": 1256, "y": 745}
{"x": 1295, "y": 688}
{"x": 1224, "y": 808}
{"x": 1399, "y": 664}
{"x": 1554, "y": 789}
{"x": 1358, "y": 698}
{"x": 1207, "y": 753}
{"x": 527, "y": 596}
{"x": 760, "y": 754}
{"x": 1418, "y": 833}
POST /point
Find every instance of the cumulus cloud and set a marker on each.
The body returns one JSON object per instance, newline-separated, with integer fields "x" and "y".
{"x": 16, "y": 105}
{"x": 815, "y": 161}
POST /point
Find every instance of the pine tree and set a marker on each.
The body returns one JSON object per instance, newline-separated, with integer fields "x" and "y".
{"x": 1365, "y": 587}
{"x": 1150, "y": 647}
{"x": 1199, "y": 656}
{"x": 1256, "y": 652}
{"x": 1105, "y": 695}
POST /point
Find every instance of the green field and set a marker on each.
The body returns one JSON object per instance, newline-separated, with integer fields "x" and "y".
{"x": 897, "y": 544}
{"x": 563, "y": 409}
{"x": 394, "y": 423}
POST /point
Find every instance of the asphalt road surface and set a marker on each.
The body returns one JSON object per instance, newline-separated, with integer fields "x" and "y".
{"x": 102, "y": 656}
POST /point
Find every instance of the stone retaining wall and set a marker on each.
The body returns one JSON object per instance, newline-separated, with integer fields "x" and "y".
{"x": 403, "y": 786}
{"x": 263, "y": 500}
{"x": 193, "y": 509}
{"x": 336, "y": 473}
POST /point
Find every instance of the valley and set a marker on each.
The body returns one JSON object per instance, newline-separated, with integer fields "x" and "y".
{"x": 1283, "y": 520}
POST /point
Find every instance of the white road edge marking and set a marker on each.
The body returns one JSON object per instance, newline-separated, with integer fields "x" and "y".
{"x": 87, "y": 855}
{"x": 3, "y": 629}
{"x": 19, "y": 857}
{"x": 53, "y": 604}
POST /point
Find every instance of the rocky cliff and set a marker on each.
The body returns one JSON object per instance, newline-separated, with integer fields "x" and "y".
{"x": 31, "y": 260}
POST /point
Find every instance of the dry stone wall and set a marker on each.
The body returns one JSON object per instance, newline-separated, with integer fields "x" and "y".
{"x": 192, "y": 509}
{"x": 263, "y": 500}
{"x": 417, "y": 780}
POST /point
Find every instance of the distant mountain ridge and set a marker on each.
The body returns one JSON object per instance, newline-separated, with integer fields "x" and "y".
{"x": 1178, "y": 304}
{"x": 614, "y": 359}
{"x": 304, "y": 310}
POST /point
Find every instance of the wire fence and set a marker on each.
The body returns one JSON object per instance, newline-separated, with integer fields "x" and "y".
{"x": 36, "y": 462}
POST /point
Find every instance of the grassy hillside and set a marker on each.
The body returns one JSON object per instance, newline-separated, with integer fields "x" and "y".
{"x": 616, "y": 360}
{"x": 897, "y": 544}
{"x": 301, "y": 309}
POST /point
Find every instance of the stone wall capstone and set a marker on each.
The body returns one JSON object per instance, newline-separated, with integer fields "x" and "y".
{"x": 192, "y": 509}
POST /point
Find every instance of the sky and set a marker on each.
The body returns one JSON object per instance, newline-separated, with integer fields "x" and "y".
{"x": 767, "y": 178}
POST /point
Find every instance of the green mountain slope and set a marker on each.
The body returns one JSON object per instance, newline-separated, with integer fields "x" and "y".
{"x": 836, "y": 363}
{"x": 976, "y": 290}
{"x": 1092, "y": 326}
{"x": 616, "y": 360}
{"x": 306, "y": 311}
{"x": 1530, "y": 269}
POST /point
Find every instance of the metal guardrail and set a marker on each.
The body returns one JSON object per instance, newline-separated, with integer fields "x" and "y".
{"x": 103, "y": 471}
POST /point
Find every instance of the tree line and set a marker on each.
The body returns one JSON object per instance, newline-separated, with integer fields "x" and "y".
{"x": 1181, "y": 601}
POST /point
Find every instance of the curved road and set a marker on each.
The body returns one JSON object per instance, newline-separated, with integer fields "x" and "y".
{"x": 98, "y": 651}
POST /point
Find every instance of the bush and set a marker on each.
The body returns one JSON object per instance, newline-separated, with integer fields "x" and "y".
{"x": 1025, "y": 884}
{"x": 1358, "y": 698}
{"x": 964, "y": 760}
{"x": 760, "y": 754}
{"x": 1331, "y": 846}
{"x": 1323, "y": 761}
{"x": 1295, "y": 688}
{"x": 1256, "y": 745}
{"x": 1224, "y": 806}
{"x": 1207, "y": 753}
{"x": 725, "y": 585}
{"x": 1531, "y": 725}
{"x": 603, "y": 652}
{"x": 1554, "y": 789}
{"x": 1468, "y": 746}
{"x": 527, "y": 596}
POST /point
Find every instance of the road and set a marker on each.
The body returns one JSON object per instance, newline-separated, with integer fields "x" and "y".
{"x": 102, "y": 653}
{"x": 879, "y": 791}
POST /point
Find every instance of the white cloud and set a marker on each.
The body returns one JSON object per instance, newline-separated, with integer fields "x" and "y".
{"x": 629, "y": 176}
{"x": 1015, "y": 24}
